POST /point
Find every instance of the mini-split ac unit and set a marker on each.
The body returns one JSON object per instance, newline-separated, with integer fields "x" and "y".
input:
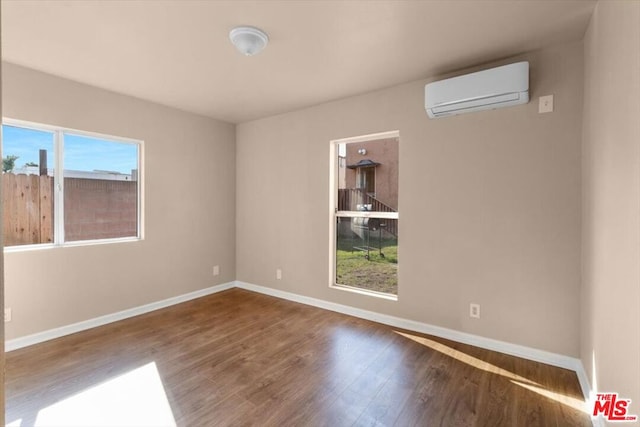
{"x": 484, "y": 90}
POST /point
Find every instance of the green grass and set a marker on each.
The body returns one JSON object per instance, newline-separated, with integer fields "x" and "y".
{"x": 377, "y": 273}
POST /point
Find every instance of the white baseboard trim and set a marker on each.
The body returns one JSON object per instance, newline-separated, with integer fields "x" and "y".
{"x": 50, "y": 334}
{"x": 517, "y": 350}
{"x": 585, "y": 386}
{"x": 583, "y": 379}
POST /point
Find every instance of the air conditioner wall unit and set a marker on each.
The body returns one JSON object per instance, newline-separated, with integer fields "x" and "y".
{"x": 484, "y": 90}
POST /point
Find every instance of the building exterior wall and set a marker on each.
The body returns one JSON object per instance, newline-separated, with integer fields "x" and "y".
{"x": 385, "y": 152}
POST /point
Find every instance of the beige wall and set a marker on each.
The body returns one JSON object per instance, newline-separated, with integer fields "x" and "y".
{"x": 489, "y": 206}
{"x": 611, "y": 201}
{"x": 189, "y": 208}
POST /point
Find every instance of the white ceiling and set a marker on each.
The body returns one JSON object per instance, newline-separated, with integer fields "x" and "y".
{"x": 177, "y": 53}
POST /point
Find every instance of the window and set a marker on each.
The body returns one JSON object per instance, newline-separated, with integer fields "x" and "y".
{"x": 62, "y": 186}
{"x": 365, "y": 219}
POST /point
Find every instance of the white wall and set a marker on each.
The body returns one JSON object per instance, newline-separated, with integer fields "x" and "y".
{"x": 610, "y": 338}
{"x": 189, "y": 178}
{"x": 489, "y": 206}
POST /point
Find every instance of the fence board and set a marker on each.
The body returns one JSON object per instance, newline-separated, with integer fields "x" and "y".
{"x": 32, "y": 197}
{"x": 21, "y": 212}
{"x": 46, "y": 209}
{"x": 27, "y": 209}
{"x": 8, "y": 183}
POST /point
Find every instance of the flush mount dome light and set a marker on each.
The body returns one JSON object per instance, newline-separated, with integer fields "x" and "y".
{"x": 248, "y": 40}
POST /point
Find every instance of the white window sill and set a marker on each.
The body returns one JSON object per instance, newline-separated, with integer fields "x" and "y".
{"x": 44, "y": 246}
{"x": 366, "y": 292}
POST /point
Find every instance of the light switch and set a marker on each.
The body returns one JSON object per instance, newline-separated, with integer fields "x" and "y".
{"x": 545, "y": 104}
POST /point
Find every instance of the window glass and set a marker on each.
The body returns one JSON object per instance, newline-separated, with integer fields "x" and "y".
{"x": 366, "y": 241}
{"x": 100, "y": 188}
{"x": 96, "y": 194}
{"x": 367, "y": 254}
{"x": 27, "y": 186}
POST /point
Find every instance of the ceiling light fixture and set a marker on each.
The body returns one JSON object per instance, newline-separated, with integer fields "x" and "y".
{"x": 248, "y": 40}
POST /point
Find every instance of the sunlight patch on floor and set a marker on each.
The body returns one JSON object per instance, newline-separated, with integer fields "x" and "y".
{"x": 572, "y": 402}
{"x": 558, "y": 397}
{"x": 465, "y": 358}
{"x": 136, "y": 398}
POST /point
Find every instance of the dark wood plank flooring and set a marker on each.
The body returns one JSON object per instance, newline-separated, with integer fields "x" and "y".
{"x": 241, "y": 358}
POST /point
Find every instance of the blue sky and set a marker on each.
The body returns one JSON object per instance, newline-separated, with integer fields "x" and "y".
{"x": 80, "y": 152}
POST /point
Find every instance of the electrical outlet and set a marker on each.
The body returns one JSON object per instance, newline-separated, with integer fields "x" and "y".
{"x": 278, "y": 274}
{"x": 474, "y": 310}
{"x": 7, "y": 314}
{"x": 545, "y": 104}
{"x": 216, "y": 270}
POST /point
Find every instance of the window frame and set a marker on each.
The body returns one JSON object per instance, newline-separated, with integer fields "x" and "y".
{"x": 334, "y": 213}
{"x": 58, "y": 176}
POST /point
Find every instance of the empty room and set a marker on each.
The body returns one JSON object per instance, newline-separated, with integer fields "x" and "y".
{"x": 320, "y": 213}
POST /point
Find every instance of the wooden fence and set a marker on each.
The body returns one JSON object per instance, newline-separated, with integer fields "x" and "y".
{"x": 27, "y": 202}
{"x": 94, "y": 209}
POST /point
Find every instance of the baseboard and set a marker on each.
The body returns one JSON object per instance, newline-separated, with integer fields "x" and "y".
{"x": 50, "y": 334}
{"x": 583, "y": 379}
{"x": 589, "y": 394}
{"x": 524, "y": 352}
{"x": 585, "y": 386}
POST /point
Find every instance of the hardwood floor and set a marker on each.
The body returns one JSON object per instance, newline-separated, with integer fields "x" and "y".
{"x": 241, "y": 358}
